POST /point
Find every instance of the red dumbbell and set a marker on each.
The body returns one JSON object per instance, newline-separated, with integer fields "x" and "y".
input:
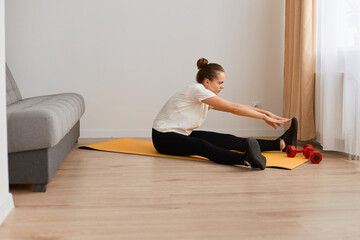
{"x": 308, "y": 151}
{"x": 315, "y": 157}
{"x": 308, "y": 148}
{"x": 291, "y": 151}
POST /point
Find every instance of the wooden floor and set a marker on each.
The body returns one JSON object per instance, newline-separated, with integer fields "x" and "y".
{"x": 102, "y": 195}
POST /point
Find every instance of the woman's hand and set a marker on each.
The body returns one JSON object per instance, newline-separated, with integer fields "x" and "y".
{"x": 273, "y": 116}
{"x": 275, "y": 120}
{"x": 270, "y": 114}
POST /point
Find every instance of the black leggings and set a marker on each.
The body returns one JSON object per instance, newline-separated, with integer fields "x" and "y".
{"x": 212, "y": 145}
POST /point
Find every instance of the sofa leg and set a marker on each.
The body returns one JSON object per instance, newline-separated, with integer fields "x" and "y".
{"x": 40, "y": 188}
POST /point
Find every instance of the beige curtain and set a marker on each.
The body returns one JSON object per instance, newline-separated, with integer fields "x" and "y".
{"x": 299, "y": 65}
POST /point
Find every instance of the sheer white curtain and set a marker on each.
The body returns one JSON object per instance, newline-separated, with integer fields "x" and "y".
{"x": 338, "y": 76}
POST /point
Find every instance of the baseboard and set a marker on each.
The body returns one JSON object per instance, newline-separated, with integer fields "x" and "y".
{"x": 114, "y": 133}
{"x": 6, "y": 205}
{"x": 120, "y": 133}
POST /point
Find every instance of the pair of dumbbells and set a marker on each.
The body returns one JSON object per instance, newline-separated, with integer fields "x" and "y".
{"x": 308, "y": 151}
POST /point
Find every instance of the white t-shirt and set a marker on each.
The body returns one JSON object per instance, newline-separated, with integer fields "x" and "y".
{"x": 184, "y": 111}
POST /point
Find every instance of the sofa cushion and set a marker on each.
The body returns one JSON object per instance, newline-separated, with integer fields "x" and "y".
{"x": 41, "y": 122}
{"x": 12, "y": 91}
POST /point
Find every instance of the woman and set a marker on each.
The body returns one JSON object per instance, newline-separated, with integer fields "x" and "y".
{"x": 173, "y": 129}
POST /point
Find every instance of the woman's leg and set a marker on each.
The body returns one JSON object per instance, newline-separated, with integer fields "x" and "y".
{"x": 290, "y": 136}
{"x": 232, "y": 142}
{"x": 177, "y": 144}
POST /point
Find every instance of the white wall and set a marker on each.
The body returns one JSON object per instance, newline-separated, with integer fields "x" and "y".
{"x": 126, "y": 57}
{"x": 6, "y": 201}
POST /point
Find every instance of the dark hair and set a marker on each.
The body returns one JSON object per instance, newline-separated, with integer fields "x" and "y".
{"x": 207, "y": 70}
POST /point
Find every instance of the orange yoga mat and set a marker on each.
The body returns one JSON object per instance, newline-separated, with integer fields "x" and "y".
{"x": 140, "y": 147}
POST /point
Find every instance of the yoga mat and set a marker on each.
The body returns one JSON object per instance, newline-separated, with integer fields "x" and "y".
{"x": 140, "y": 147}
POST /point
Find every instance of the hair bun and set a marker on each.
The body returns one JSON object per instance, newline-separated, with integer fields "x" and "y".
{"x": 201, "y": 63}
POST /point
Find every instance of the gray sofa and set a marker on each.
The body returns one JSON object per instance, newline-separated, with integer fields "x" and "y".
{"x": 41, "y": 132}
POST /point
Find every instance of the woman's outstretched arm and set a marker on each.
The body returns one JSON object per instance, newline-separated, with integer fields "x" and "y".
{"x": 221, "y": 104}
